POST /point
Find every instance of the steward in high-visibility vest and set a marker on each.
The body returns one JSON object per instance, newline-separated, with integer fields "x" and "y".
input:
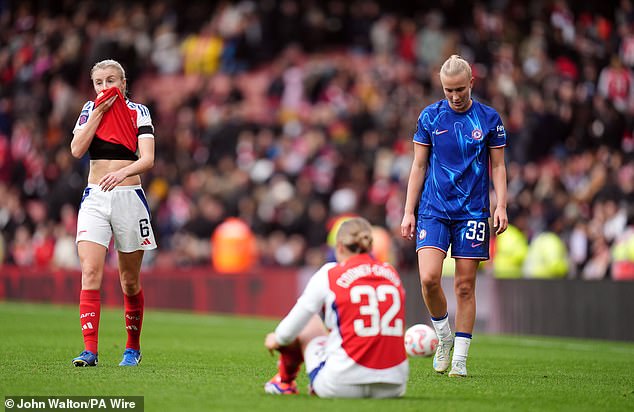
{"x": 547, "y": 257}
{"x": 511, "y": 248}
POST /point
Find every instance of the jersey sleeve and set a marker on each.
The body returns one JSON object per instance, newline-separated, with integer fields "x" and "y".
{"x": 144, "y": 122}
{"x": 497, "y": 133}
{"x": 314, "y": 294}
{"x": 309, "y": 303}
{"x": 421, "y": 135}
{"x": 290, "y": 327}
{"x": 83, "y": 116}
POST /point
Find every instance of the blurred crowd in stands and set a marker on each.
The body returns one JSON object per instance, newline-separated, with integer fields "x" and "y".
{"x": 287, "y": 114}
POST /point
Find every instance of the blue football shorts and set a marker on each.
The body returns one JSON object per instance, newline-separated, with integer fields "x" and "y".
{"x": 468, "y": 238}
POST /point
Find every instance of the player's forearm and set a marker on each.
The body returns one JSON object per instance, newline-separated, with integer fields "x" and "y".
{"x": 414, "y": 187}
{"x": 290, "y": 327}
{"x": 83, "y": 137}
{"x": 498, "y": 175}
{"x": 140, "y": 166}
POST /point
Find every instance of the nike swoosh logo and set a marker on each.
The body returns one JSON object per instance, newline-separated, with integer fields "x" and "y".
{"x": 474, "y": 245}
{"x": 82, "y": 231}
{"x": 437, "y": 132}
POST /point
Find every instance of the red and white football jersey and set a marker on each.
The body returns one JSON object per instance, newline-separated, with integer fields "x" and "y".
{"x": 123, "y": 124}
{"x": 363, "y": 301}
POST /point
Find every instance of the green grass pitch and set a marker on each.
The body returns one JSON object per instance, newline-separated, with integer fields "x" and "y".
{"x": 195, "y": 362}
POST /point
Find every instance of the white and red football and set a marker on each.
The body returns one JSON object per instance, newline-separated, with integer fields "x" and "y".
{"x": 420, "y": 340}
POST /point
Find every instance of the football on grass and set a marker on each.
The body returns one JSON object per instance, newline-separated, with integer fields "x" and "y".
{"x": 420, "y": 340}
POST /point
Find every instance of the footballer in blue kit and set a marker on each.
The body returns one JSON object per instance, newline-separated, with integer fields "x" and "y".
{"x": 458, "y": 142}
{"x": 456, "y": 192}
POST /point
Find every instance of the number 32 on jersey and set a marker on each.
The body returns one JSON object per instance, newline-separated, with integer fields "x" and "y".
{"x": 371, "y": 321}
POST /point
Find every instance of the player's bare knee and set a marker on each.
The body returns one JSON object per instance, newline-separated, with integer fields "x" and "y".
{"x": 130, "y": 285}
{"x": 430, "y": 283}
{"x": 464, "y": 290}
{"x": 91, "y": 275}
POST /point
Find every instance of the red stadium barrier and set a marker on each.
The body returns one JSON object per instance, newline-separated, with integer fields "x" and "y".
{"x": 199, "y": 289}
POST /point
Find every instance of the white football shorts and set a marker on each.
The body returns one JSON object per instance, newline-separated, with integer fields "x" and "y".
{"x": 326, "y": 385}
{"x": 122, "y": 212}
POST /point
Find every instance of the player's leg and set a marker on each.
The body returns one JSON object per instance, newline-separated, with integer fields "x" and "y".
{"x": 432, "y": 242}
{"x": 92, "y": 258}
{"x": 288, "y": 364}
{"x": 133, "y": 235}
{"x": 430, "y": 262}
{"x": 130, "y": 279}
{"x": 93, "y": 237}
{"x": 464, "y": 287}
{"x": 470, "y": 245}
{"x": 292, "y": 357}
{"x": 430, "y": 269}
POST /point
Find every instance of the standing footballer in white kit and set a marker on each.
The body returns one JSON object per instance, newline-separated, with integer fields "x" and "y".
{"x": 119, "y": 136}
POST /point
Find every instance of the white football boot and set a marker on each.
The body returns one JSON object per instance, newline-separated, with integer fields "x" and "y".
{"x": 442, "y": 358}
{"x": 458, "y": 369}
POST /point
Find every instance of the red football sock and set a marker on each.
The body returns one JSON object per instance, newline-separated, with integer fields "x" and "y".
{"x": 133, "y": 319}
{"x": 89, "y": 312}
{"x": 291, "y": 359}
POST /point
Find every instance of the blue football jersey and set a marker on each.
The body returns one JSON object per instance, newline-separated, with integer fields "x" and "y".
{"x": 457, "y": 181}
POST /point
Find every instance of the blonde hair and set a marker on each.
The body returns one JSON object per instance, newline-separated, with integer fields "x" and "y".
{"x": 356, "y": 235}
{"x": 108, "y": 63}
{"x": 455, "y": 65}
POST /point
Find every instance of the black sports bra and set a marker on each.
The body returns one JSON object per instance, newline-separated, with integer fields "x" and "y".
{"x": 100, "y": 149}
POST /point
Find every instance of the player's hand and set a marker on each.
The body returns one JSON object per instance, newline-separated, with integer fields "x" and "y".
{"x": 271, "y": 342}
{"x": 407, "y": 226}
{"x": 105, "y": 106}
{"x": 111, "y": 180}
{"x": 500, "y": 220}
